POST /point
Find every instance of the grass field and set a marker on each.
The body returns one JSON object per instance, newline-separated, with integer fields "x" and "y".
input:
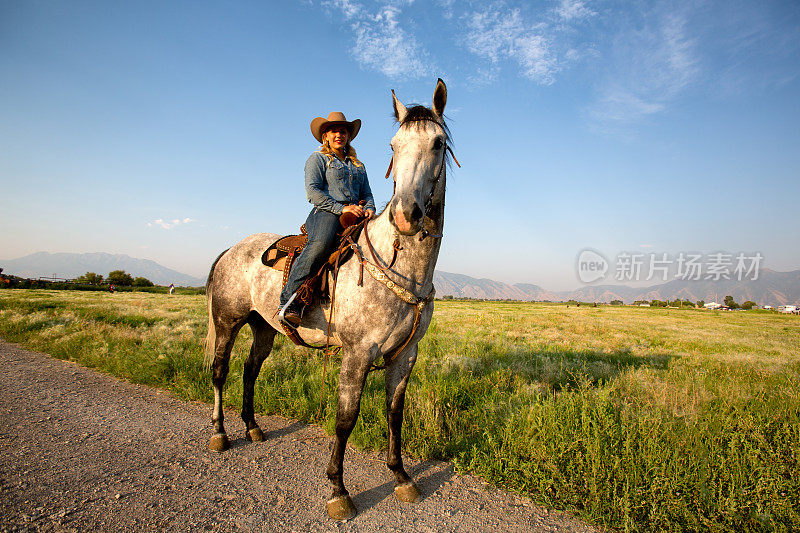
{"x": 635, "y": 418}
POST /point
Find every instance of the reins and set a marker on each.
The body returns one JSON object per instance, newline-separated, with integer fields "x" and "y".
{"x": 380, "y": 274}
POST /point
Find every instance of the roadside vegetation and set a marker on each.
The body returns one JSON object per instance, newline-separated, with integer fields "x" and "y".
{"x": 638, "y": 419}
{"x": 92, "y": 281}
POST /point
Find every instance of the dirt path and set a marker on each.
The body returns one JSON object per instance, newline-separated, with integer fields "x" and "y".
{"x": 80, "y": 450}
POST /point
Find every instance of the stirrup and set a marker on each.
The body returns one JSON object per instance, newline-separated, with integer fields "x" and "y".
{"x": 282, "y": 313}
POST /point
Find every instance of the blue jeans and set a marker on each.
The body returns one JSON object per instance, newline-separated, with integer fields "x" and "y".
{"x": 321, "y": 227}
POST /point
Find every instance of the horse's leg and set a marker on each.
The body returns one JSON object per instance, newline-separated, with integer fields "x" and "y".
{"x": 263, "y": 336}
{"x": 225, "y": 336}
{"x": 397, "y": 375}
{"x": 351, "y": 384}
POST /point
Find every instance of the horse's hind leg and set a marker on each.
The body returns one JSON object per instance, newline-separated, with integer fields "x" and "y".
{"x": 396, "y": 382}
{"x": 263, "y": 336}
{"x": 225, "y": 336}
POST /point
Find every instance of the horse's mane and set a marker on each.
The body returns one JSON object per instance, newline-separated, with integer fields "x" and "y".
{"x": 420, "y": 113}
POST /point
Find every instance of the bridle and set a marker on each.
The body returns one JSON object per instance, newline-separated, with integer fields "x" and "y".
{"x": 429, "y": 201}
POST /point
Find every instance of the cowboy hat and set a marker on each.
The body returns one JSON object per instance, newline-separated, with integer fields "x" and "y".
{"x": 319, "y": 125}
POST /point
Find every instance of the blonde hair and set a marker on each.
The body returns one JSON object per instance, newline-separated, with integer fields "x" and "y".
{"x": 348, "y": 150}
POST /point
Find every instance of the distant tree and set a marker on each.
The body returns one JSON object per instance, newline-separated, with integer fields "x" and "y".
{"x": 729, "y": 302}
{"x": 90, "y": 278}
{"x": 616, "y": 302}
{"x": 701, "y": 303}
{"x": 119, "y": 277}
{"x": 142, "y": 282}
{"x": 749, "y": 304}
{"x": 687, "y": 303}
{"x": 657, "y": 303}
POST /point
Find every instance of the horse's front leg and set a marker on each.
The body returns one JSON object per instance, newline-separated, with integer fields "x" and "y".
{"x": 397, "y": 375}
{"x": 351, "y": 384}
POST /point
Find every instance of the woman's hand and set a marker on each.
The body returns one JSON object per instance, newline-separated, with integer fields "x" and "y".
{"x": 354, "y": 209}
{"x": 369, "y": 213}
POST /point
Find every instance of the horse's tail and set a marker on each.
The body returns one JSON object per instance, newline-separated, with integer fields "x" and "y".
{"x": 211, "y": 336}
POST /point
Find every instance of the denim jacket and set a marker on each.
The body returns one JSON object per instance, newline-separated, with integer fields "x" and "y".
{"x": 331, "y": 184}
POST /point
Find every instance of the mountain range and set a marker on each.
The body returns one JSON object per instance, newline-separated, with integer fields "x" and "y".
{"x": 69, "y": 266}
{"x": 771, "y": 287}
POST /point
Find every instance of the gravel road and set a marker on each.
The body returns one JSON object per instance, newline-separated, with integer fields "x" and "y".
{"x": 80, "y": 450}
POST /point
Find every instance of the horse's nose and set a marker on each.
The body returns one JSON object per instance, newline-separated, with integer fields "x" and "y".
{"x": 406, "y": 222}
{"x": 416, "y": 213}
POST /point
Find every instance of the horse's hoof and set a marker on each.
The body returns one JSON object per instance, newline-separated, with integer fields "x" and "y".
{"x": 255, "y": 435}
{"x": 341, "y": 508}
{"x": 219, "y": 443}
{"x": 407, "y": 492}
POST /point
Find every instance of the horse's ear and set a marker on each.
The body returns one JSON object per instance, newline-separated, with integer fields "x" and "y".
{"x": 439, "y": 98}
{"x": 399, "y": 109}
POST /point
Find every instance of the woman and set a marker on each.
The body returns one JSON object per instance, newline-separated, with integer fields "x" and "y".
{"x": 335, "y": 183}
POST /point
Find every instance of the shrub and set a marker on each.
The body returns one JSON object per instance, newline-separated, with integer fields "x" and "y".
{"x": 119, "y": 277}
{"x": 90, "y": 278}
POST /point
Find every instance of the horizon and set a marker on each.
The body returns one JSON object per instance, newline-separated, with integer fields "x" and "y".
{"x": 638, "y": 286}
{"x": 170, "y": 132}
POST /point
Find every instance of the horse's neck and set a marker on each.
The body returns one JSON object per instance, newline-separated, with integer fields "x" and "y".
{"x": 416, "y": 260}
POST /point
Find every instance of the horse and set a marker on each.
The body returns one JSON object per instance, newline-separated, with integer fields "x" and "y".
{"x": 382, "y": 315}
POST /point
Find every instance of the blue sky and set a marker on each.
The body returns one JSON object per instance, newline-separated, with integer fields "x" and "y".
{"x": 170, "y": 130}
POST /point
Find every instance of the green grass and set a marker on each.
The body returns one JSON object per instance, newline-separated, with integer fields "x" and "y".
{"x": 640, "y": 419}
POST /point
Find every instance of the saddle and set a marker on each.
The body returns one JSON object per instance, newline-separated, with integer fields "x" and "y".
{"x": 283, "y": 252}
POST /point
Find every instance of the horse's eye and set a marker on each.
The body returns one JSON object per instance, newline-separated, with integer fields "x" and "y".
{"x": 437, "y": 144}
{"x": 392, "y": 147}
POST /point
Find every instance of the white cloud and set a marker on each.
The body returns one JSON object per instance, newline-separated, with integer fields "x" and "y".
{"x": 536, "y": 39}
{"x": 497, "y": 34}
{"x": 542, "y": 47}
{"x": 492, "y": 34}
{"x": 620, "y": 104}
{"x": 349, "y": 9}
{"x": 381, "y": 43}
{"x": 169, "y": 224}
{"x": 447, "y": 8}
{"x": 649, "y": 68}
{"x": 573, "y": 10}
{"x": 535, "y": 58}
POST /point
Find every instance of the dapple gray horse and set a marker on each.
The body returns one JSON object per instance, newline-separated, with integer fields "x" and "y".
{"x": 371, "y": 321}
